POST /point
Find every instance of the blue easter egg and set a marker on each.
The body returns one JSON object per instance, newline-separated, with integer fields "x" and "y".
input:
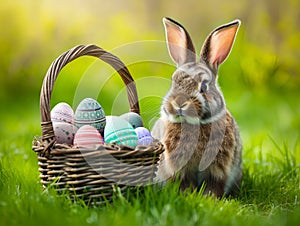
{"x": 119, "y": 131}
{"x": 133, "y": 118}
{"x": 90, "y": 112}
{"x": 144, "y": 136}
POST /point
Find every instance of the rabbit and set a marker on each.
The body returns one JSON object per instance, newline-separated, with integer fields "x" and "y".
{"x": 203, "y": 148}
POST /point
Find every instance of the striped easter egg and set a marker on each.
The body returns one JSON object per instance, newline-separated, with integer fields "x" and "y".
{"x": 88, "y": 137}
{"x": 90, "y": 112}
{"x": 119, "y": 131}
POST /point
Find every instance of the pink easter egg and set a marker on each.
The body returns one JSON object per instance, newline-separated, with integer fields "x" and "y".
{"x": 88, "y": 137}
{"x": 62, "y": 112}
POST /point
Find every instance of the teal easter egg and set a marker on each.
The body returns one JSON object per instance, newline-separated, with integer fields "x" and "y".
{"x": 144, "y": 136}
{"x": 90, "y": 112}
{"x": 133, "y": 118}
{"x": 88, "y": 137}
{"x": 62, "y": 112}
{"x": 119, "y": 131}
{"x": 64, "y": 132}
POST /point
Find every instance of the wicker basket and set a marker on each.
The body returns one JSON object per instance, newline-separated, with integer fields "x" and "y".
{"x": 92, "y": 175}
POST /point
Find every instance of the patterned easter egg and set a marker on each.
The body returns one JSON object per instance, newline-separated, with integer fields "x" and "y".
{"x": 88, "y": 137}
{"x": 144, "y": 136}
{"x": 64, "y": 132}
{"x": 90, "y": 112}
{"x": 133, "y": 118}
{"x": 62, "y": 112}
{"x": 119, "y": 131}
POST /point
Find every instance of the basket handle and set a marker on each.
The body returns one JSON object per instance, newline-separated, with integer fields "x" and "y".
{"x": 64, "y": 59}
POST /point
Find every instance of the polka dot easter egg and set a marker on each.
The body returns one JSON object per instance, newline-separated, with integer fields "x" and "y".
{"x": 90, "y": 112}
{"x": 119, "y": 131}
{"x": 62, "y": 112}
{"x": 88, "y": 137}
{"x": 64, "y": 132}
{"x": 133, "y": 118}
{"x": 144, "y": 136}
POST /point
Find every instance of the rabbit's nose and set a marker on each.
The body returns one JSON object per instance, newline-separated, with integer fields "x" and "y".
{"x": 179, "y": 107}
{"x": 179, "y": 111}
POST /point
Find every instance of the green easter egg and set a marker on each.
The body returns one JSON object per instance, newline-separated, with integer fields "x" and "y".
{"x": 90, "y": 112}
{"x": 133, "y": 118}
{"x": 120, "y": 131}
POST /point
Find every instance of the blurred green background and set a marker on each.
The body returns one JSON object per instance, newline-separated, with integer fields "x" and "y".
{"x": 260, "y": 79}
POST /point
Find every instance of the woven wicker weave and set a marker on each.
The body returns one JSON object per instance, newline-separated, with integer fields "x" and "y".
{"x": 91, "y": 175}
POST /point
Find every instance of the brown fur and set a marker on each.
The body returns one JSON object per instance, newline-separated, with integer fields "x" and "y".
{"x": 216, "y": 175}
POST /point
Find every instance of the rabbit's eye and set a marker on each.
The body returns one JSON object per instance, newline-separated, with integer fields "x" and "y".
{"x": 203, "y": 88}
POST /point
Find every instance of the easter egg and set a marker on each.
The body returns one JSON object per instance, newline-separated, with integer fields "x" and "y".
{"x": 90, "y": 112}
{"x": 133, "y": 118}
{"x": 62, "y": 112}
{"x": 88, "y": 137}
{"x": 64, "y": 132}
{"x": 119, "y": 131}
{"x": 144, "y": 136}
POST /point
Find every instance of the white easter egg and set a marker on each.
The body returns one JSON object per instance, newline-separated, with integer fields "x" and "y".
{"x": 62, "y": 112}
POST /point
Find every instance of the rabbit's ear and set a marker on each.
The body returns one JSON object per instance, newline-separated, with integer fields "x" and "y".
{"x": 180, "y": 46}
{"x": 218, "y": 44}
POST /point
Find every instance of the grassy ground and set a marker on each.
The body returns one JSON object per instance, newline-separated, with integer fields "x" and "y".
{"x": 260, "y": 87}
{"x": 269, "y": 194}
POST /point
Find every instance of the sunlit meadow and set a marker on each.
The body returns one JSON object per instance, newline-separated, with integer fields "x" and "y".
{"x": 260, "y": 81}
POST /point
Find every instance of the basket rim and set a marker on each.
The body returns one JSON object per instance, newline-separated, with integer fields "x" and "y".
{"x": 60, "y": 151}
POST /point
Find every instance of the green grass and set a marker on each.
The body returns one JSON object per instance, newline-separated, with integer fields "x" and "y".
{"x": 259, "y": 81}
{"x": 269, "y": 194}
